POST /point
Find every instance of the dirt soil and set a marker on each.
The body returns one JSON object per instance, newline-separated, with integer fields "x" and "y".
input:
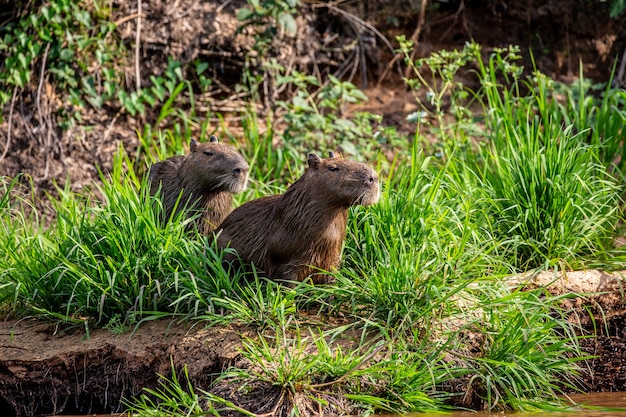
{"x": 44, "y": 369}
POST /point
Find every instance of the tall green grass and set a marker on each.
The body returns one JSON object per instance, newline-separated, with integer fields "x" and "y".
{"x": 272, "y": 168}
{"x": 109, "y": 259}
{"x": 524, "y": 350}
{"x": 546, "y": 186}
{"x": 409, "y": 254}
{"x": 303, "y": 370}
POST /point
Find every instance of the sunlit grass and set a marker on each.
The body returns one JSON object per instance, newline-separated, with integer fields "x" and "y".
{"x": 408, "y": 255}
{"x": 546, "y": 188}
{"x": 113, "y": 259}
{"x": 312, "y": 372}
{"x": 525, "y": 352}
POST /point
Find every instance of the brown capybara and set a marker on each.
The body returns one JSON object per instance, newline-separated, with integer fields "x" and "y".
{"x": 205, "y": 180}
{"x": 292, "y": 236}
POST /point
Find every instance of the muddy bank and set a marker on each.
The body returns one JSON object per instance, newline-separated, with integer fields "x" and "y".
{"x": 45, "y": 370}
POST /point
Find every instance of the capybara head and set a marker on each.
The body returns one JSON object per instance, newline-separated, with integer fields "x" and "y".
{"x": 217, "y": 167}
{"x": 341, "y": 182}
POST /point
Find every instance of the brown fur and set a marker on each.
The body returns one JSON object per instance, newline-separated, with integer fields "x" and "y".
{"x": 205, "y": 180}
{"x": 292, "y": 235}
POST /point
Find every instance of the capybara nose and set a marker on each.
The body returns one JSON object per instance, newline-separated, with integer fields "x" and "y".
{"x": 241, "y": 169}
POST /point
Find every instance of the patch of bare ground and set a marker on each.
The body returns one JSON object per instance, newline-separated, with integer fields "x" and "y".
{"x": 45, "y": 370}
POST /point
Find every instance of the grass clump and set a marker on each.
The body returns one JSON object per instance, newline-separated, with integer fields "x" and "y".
{"x": 105, "y": 261}
{"x": 315, "y": 373}
{"x": 408, "y": 255}
{"x": 546, "y": 186}
{"x": 526, "y": 352}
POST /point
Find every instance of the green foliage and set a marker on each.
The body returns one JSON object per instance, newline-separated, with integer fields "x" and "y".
{"x": 409, "y": 254}
{"x": 167, "y": 84}
{"x": 272, "y": 167}
{"x": 527, "y": 353}
{"x": 311, "y": 372}
{"x": 171, "y": 131}
{"x": 104, "y": 261}
{"x": 278, "y": 13}
{"x": 317, "y": 120}
{"x": 437, "y": 74}
{"x": 597, "y": 113}
{"x": 74, "y": 46}
{"x": 545, "y": 185}
{"x": 65, "y": 39}
{"x": 269, "y": 21}
{"x": 617, "y": 8}
{"x": 172, "y": 398}
{"x": 258, "y": 302}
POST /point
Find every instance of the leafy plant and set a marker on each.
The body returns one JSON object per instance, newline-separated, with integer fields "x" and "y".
{"x": 444, "y": 93}
{"x": 301, "y": 374}
{"x": 272, "y": 168}
{"x": 407, "y": 256}
{"x": 270, "y": 22}
{"x": 103, "y": 262}
{"x": 278, "y": 12}
{"x": 617, "y": 8}
{"x": 596, "y": 112}
{"x": 73, "y": 45}
{"x": 64, "y": 38}
{"x": 178, "y": 398}
{"x": 527, "y": 351}
{"x": 317, "y": 119}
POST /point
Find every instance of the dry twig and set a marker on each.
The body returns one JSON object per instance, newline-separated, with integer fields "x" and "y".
{"x": 359, "y": 22}
{"x": 414, "y": 38}
{"x": 620, "y": 78}
{"x": 138, "y": 48}
{"x": 10, "y": 121}
{"x": 39, "y": 112}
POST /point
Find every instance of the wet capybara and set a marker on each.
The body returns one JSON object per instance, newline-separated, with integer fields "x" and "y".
{"x": 291, "y": 236}
{"x": 205, "y": 180}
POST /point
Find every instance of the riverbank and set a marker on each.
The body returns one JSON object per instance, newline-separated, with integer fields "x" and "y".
{"x": 47, "y": 369}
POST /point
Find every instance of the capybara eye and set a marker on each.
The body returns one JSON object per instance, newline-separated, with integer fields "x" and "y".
{"x": 333, "y": 168}
{"x": 209, "y": 153}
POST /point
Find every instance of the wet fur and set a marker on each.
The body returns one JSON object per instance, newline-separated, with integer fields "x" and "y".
{"x": 292, "y": 235}
{"x": 205, "y": 180}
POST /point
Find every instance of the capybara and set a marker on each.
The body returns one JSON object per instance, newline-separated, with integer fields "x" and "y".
{"x": 294, "y": 235}
{"x": 205, "y": 181}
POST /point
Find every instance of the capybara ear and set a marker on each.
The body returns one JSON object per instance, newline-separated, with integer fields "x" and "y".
{"x": 213, "y": 138}
{"x": 314, "y": 161}
{"x": 331, "y": 154}
{"x": 193, "y": 145}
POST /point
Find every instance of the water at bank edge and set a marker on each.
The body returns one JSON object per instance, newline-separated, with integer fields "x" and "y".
{"x": 597, "y": 404}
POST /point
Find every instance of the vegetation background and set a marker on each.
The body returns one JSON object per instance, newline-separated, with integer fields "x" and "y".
{"x": 497, "y": 129}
